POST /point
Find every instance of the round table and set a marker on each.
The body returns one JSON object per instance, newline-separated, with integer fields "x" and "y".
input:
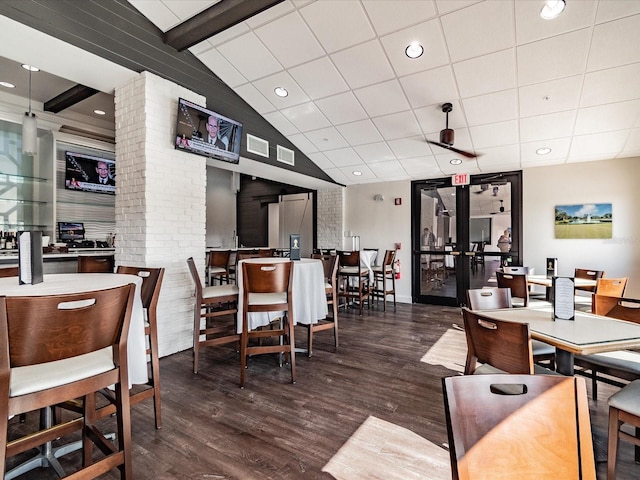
{"x": 56, "y": 284}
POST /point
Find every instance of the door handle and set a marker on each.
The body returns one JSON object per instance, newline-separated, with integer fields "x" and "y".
{"x": 455, "y": 254}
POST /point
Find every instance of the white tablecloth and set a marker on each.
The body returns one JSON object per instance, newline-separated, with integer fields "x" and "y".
{"x": 84, "y": 282}
{"x": 309, "y": 298}
{"x": 367, "y": 257}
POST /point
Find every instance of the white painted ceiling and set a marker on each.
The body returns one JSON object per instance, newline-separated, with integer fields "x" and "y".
{"x": 356, "y": 102}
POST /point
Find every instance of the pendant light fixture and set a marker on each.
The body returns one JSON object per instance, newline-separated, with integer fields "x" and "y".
{"x": 29, "y": 123}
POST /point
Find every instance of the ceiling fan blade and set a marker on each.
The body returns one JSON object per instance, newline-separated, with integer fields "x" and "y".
{"x": 449, "y": 147}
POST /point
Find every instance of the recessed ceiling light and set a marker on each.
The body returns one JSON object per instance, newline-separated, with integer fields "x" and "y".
{"x": 543, "y": 151}
{"x": 552, "y": 8}
{"x": 7, "y": 85}
{"x": 455, "y": 161}
{"x": 281, "y": 92}
{"x": 31, "y": 68}
{"x": 99, "y": 112}
{"x": 357, "y": 173}
{"x": 414, "y": 50}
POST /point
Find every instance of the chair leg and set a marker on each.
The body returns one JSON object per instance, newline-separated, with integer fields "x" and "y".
{"x": 612, "y": 447}
{"x": 155, "y": 378}
{"x": 243, "y": 353}
{"x": 310, "y": 341}
{"x": 594, "y": 384}
{"x": 292, "y": 349}
{"x": 384, "y": 291}
{"x": 335, "y": 322}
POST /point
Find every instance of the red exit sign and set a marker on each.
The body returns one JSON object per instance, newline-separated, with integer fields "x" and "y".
{"x": 460, "y": 179}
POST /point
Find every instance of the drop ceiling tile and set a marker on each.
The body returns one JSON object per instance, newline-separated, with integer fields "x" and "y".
{"x": 279, "y": 121}
{"x": 550, "y": 97}
{"x": 319, "y": 78}
{"x": 429, "y": 35}
{"x": 277, "y": 37}
{"x": 431, "y": 87}
{"x": 267, "y": 87}
{"x": 426, "y": 165}
{"x": 598, "y": 89}
{"x": 186, "y": 9}
{"x": 632, "y": 146}
{"x": 306, "y": 117}
{"x": 531, "y": 27}
{"x": 495, "y": 134}
{"x": 326, "y": 139}
{"x": 201, "y": 47}
{"x": 615, "y": 43}
{"x": 589, "y": 147}
{"x": 270, "y": 14}
{"x": 617, "y": 9}
{"x": 364, "y": 64}
{"x": 559, "y": 152}
{"x": 303, "y": 143}
{"x": 386, "y": 17}
{"x": 382, "y": 98}
{"x": 342, "y": 108}
{"x": 410, "y": 147}
{"x": 387, "y": 170}
{"x": 469, "y": 165}
{"x": 486, "y": 74}
{"x": 321, "y": 160}
{"x": 480, "y": 29}
{"x": 250, "y": 57}
{"x": 358, "y": 133}
{"x": 366, "y": 172}
{"x": 339, "y": 177}
{"x": 229, "y": 34}
{"x": 253, "y": 97}
{"x": 505, "y": 157}
{"x": 545, "y": 127}
{"x": 397, "y": 125}
{"x": 447, "y": 6}
{"x": 375, "y": 152}
{"x": 604, "y": 118}
{"x": 555, "y": 57}
{"x": 343, "y": 157}
{"x": 432, "y": 119}
{"x": 353, "y": 27}
{"x": 491, "y": 108}
{"x": 158, "y": 12}
{"x": 223, "y": 69}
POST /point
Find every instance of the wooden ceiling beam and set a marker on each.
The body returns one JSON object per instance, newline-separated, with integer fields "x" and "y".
{"x": 68, "y": 98}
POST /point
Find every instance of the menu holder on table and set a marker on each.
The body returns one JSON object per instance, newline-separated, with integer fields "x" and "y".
{"x": 294, "y": 246}
{"x": 563, "y": 298}
{"x": 552, "y": 267}
{"x": 30, "y": 257}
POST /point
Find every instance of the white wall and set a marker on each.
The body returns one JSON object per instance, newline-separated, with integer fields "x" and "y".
{"x": 221, "y": 208}
{"x": 613, "y": 181}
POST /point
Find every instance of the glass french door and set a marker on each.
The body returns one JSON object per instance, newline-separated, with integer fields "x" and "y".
{"x": 462, "y": 234}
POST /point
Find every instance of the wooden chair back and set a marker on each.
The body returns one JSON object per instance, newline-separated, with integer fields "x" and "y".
{"x": 219, "y": 258}
{"x": 9, "y": 272}
{"x": 518, "y": 426}
{"x": 517, "y": 283}
{"x": 329, "y": 265}
{"x": 151, "y": 283}
{"x": 267, "y": 277}
{"x": 516, "y": 270}
{"x": 96, "y": 264}
{"x": 616, "y": 307}
{"x": 389, "y": 257}
{"x": 488, "y": 298}
{"x": 612, "y": 287}
{"x": 266, "y": 252}
{"x": 589, "y": 275}
{"x": 349, "y": 259}
{"x": 501, "y": 344}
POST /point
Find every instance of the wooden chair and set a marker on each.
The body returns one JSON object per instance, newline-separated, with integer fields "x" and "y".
{"x": 87, "y": 332}
{"x": 527, "y": 427}
{"x": 212, "y": 303}
{"x": 516, "y": 270}
{"x": 517, "y": 283}
{"x": 610, "y": 287}
{"x": 218, "y": 266}
{"x": 96, "y": 263}
{"x": 381, "y": 275}
{"x": 490, "y": 298}
{"x": 502, "y": 345}
{"x": 623, "y": 409}
{"x": 621, "y": 364}
{"x": 588, "y": 274}
{"x": 353, "y": 278}
{"x": 9, "y": 272}
{"x": 330, "y": 265}
{"x": 151, "y": 284}
{"x": 267, "y": 288}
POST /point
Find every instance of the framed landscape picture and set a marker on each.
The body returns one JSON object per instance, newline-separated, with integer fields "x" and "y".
{"x": 588, "y": 220}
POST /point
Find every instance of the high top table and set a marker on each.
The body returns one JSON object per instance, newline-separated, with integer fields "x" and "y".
{"x": 585, "y": 335}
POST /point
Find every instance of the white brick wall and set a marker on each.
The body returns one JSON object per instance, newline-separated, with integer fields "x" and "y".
{"x": 160, "y": 201}
{"x": 330, "y": 218}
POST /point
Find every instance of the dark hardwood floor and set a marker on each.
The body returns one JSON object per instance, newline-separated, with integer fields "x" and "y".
{"x": 272, "y": 429}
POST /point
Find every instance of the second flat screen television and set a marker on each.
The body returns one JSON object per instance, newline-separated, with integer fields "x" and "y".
{"x": 87, "y": 173}
{"x": 207, "y": 133}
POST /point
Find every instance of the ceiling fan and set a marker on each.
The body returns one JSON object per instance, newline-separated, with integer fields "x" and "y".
{"x": 501, "y": 209}
{"x": 447, "y": 135}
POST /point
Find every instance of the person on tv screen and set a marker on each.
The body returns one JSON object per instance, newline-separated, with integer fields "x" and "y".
{"x": 213, "y": 138}
{"x": 104, "y": 175}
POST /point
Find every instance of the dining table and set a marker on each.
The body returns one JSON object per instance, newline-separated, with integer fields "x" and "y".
{"x": 586, "y": 334}
{"x": 62, "y": 283}
{"x": 309, "y": 303}
{"x": 547, "y": 282}
{"x": 367, "y": 260}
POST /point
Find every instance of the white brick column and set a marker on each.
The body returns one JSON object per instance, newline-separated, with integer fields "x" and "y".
{"x": 160, "y": 200}
{"x": 330, "y": 228}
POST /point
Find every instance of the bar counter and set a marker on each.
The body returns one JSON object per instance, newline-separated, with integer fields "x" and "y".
{"x": 56, "y": 262}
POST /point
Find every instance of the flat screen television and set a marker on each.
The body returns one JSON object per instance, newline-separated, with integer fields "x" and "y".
{"x": 70, "y": 232}
{"x": 87, "y": 173}
{"x": 207, "y": 133}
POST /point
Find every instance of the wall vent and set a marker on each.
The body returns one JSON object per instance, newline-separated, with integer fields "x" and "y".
{"x": 286, "y": 156}
{"x": 257, "y": 145}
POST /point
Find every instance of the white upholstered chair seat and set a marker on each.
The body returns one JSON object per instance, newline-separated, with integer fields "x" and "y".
{"x": 267, "y": 298}
{"x": 353, "y": 270}
{"x": 219, "y": 291}
{"x": 627, "y": 398}
{"x": 214, "y": 270}
{"x": 486, "y": 369}
{"x": 34, "y": 378}
{"x": 620, "y": 360}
